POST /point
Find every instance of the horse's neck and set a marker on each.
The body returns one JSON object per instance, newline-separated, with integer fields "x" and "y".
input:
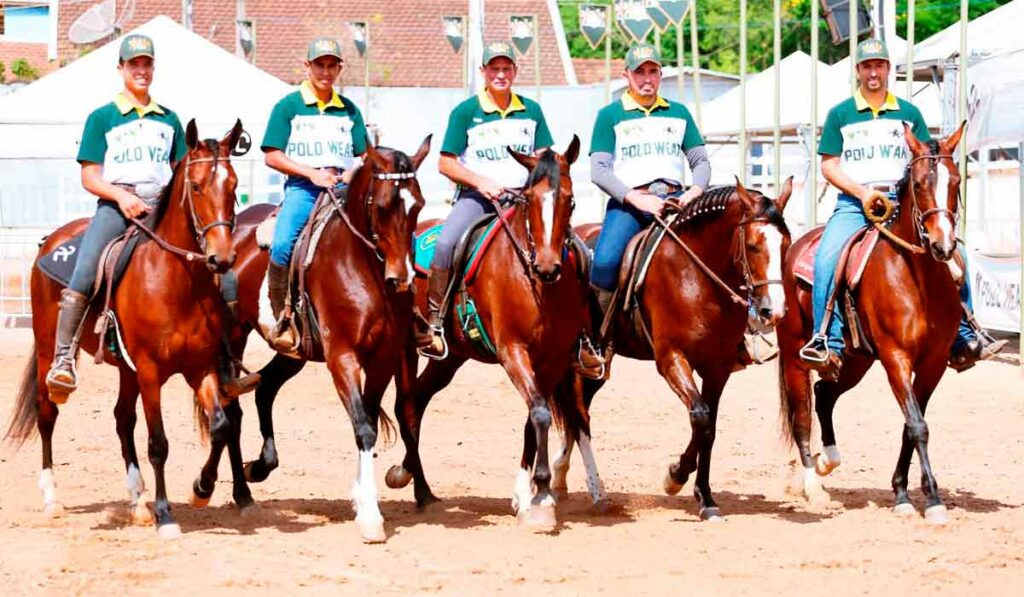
{"x": 713, "y": 241}
{"x": 175, "y": 225}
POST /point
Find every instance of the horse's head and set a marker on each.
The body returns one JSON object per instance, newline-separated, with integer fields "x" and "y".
{"x": 393, "y": 202}
{"x": 761, "y": 244}
{"x": 209, "y": 194}
{"x": 549, "y": 206}
{"x": 933, "y": 181}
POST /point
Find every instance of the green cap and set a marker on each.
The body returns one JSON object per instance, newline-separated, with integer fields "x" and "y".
{"x": 323, "y": 46}
{"x": 498, "y": 49}
{"x": 133, "y": 46}
{"x": 872, "y": 49}
{"x": 641, "y": 53}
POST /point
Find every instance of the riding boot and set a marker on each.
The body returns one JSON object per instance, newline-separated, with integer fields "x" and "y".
{"x": 62, "y": 378}
{"x": 817, "y": 356}
{"x": 431, "y": 342}
{"x": 282, "y": 337}
{"x": 591, "y": 362}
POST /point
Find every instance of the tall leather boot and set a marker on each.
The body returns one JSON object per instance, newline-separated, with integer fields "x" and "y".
{"x": 62, "y": 379}
{"x": 281, "y": 337}
{"x": 590, "y": 361}
{"x": 431, "y": 342}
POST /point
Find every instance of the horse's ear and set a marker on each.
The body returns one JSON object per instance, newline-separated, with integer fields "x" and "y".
{"x": 379, "y": 161}
{"x": 421, "y": 153}
{"x": 916, "y": 147}
{"x": 787, "y": 190}
{"x": 192, "y": 134}
{"x": 527, "y": 161}
{"x": 950, "y": 142}
{"x": 573, "y": 151}
{"x": 748, "y": 202}
{"x": 230, "y": 142}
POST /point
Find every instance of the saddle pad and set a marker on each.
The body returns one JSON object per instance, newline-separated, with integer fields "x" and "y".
{"x": 425, "y": 244}
{"x": 860, "y": 252}
{"x": 59, "y": 263}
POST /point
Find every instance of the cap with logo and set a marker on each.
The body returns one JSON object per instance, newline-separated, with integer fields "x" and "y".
{"x": 133, "y": 46}
{"x": 323, "y": 46}
{"x": 498, "y": 49}
{"x": 641, "y": 53}
{"x": 872, "y": 49}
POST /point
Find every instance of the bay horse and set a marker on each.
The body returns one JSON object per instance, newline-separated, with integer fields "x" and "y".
{"x": 695, "y": 321}
{"x": 533, "y": 309}
{"x": 358, "y": 282}
{"x": 175, "y": 272}
{"x": 909, "y": 309}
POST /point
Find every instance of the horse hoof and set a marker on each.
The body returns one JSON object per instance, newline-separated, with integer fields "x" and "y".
{"x": 905, "y": 510}
{"x": 670, "y": 486}
{"x": 372, "y": 531}
{"x": 428, "y": 503}
{"x": 251, "y": 510}
{"x": 397, "y": 477}
{"x": 142, "y": 516}
{"x": 169, "y": 531}
{"x": 560, "y": 493}
{"x": 53, "y": 510}
{"x": 819, "y": 499}
{"x": 540, "y": 519}
{"x": 822, "y": 465}
{"x": 937, "y": 515}
{"x": 601, "y": 507}
{"x": 199, "y": 502}
{"x": 712, "y": 514}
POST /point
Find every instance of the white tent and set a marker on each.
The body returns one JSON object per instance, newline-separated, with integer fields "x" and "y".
{"x": 994, "y": 32}
{"x": 722, "y": 116}
{"x": 194, "y": 77}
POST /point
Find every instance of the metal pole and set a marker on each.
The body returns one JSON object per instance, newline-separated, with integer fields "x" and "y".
{"x": 812, "y": 204}
{"x": 366, "y": 73}
{"x": 695, "y": 57}
{"x": 961, "y": 112}
{"x": 911, "y": 9}
{"x": 1020, "y": 221}
{"x": 680, "y": 61}
{"x": 608, "y": 58}
{"x": 536, "y": 57}
{"x": 777, "y": 117}
{"x": 743, "y": 92}
{"x": 465, "y": 56}
{"x": 854, "y": 33}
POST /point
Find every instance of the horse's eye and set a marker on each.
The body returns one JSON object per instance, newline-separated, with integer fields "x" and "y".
{"x": 195, "y": 187}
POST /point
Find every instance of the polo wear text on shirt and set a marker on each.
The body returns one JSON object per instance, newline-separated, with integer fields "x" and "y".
{"x": 316, "y": 133}
{"x": 871, "y": 143}
{"x": 647, "y": 144}
{"x": 479, "y": 133}
{"x": 135, "y": 145}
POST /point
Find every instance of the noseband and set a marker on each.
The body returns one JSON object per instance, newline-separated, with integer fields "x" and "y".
{"x": 749, "y": 283}
{"x": 373, "y": 242}
{"x": 919, "y": 216}
{"x": 516, "y": 197}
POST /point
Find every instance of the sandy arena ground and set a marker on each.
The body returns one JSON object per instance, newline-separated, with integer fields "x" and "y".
{"x": 303, "y": 538}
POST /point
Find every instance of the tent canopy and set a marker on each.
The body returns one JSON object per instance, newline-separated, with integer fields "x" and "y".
{"x": 994, "y": 32}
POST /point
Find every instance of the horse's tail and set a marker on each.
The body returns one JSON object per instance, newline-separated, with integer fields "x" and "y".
{"x": 568, "y": 412}
{"x": 26, "y": 411}
{"x": 787, "y": 414}
{"x": 387, "y": 429}
{"x": 201, "y": 419}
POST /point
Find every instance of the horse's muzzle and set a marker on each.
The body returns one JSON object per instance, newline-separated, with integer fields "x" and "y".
{"x": 220, "y": 265}
{"x": 548, "y": 275}
{"x": 398, "y": 284}
{"x": 941, "y": 251}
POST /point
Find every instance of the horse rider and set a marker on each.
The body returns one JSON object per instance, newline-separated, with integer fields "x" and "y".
{"x": 128, "y": 152}
{"x": 870, "y": 120}
{"x": 317, "y": 138}
{"x": 475, "y": 158}
{"x": 636, "y": 158}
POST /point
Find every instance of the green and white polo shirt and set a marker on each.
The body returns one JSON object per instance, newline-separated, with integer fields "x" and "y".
{"x": 479, "y": 133}
{"x": 135, "y": 146}
{"x": 870, "y": 143}
{"x": 316, "y": 133}
{"x": 647, "y": 143}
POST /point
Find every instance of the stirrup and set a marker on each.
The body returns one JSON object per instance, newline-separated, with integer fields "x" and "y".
{"x": 437, "y": 334}
{"x": 585, "y": 345}
{"x": 755, "y": 353}
{"x": 59, "y": 386}
{"x": 808, "y": 354}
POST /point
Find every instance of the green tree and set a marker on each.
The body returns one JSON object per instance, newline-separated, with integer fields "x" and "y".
{"x": 23, "y": 71}
{"x": 3, "y": 69}
{"x": 932, "y": 16}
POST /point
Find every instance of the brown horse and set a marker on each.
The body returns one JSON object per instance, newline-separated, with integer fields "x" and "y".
{"x": 533, "y": 310}
{"x": 696, "y": 322}
{"x": 358, "y": 283}
{"x": 184, "y": 335}
{"x": 909, "y": 308}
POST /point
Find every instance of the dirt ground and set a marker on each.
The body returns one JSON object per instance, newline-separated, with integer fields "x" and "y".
{"x": 303, "y": 538}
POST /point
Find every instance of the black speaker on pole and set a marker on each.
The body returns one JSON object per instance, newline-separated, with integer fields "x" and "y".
{"x": 837, "y": 15}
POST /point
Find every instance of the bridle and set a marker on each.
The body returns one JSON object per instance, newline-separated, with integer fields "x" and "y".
{"x": 373, "y": 241}
{"x": 528, "y": 258}
{"x": 749, "y": 283}
{"x": 198, "y": 228}
{"x": 920, "y": 216}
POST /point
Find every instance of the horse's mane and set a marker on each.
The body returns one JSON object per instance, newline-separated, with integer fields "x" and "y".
{"x": 546, "y": 167}
{"x": 901, "y": 186}
{"x": 714, "y": 202}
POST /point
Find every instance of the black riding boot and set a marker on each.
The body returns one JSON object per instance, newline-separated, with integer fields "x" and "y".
{"x": 431, "y": 342}
{"x": 62, "y": 378}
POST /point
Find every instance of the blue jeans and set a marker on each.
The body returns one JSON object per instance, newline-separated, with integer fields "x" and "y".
{"x": 846, "y": 220}
{"x": 621, "y": 223}
{"x": 468, "y": 208}
{"x": 299, "y": 198}
{"x": 105, "y": 226}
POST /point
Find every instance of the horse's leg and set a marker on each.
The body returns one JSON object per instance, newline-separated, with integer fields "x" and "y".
{"x": 47, "y": 420}
{"x": 899, "y": 368}
{"x": 711, "y": 393}
{"x": 240, "y": 492}
{"x": 677, "y": 372}
{"x": 208, "y": 397}
{"x": 924, "y": 385}
{"x": 541, "y": 509}
{"x": 272, "y": 376}
{"x": 574, "y": 401}
{"x": 826, "y": 394}
{"x": 410, "y": 406}
{"x": 522, "y": 491}
{"x": 149, "y": 386}
{"x": 795, "y": 395}
{"x": 125, "y": 415}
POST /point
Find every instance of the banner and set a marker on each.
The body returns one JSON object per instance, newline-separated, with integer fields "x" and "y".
{"x": 633, "y": 19}
{"x": 453, "y": 31}
{"x": 358, "y": 29}
{"x": 522, "y": 32}
{"x": 995, "y": 288}
{"x": 675, "y": 10}
{"x": 594, "y": 23}
{"x": 995, "y": 101}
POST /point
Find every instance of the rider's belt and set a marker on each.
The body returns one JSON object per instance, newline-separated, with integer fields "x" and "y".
{"x": 889, "y": 189}
{"x": 672, "y": 188}
{"x": 147, "y": 192}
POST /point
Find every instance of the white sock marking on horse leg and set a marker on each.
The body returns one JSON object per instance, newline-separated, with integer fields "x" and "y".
{"x": 364, "y": 490}
{"x": 48, "y": 486}
{"x": 135, "y": 485}
{"x": 265, "y": 315}
{"x": 776, "y": 293}
{"x": 548, "y": 214}
{"x": 594, "y": 484}
{"x": 522, "y": 492}
{"x": 560, "y": 467}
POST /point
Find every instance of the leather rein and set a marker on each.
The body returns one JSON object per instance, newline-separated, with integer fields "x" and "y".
{"x": 373, "y": 242}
